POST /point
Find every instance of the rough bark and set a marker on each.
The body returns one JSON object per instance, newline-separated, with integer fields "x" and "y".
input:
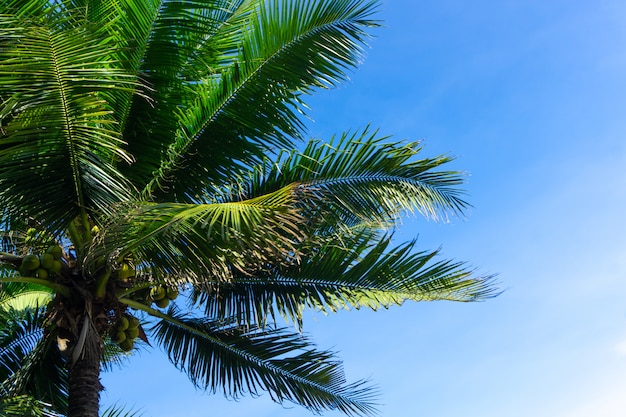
{"x": 84, "y": 379}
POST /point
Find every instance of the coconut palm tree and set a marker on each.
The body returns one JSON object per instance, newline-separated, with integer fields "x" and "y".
{"x": 33, "y": 381}
{"x": 150, "y": 148}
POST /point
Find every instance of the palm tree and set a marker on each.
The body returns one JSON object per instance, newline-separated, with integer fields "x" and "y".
{"x": 155, "y": 147}
{"x": 33, "y": 381}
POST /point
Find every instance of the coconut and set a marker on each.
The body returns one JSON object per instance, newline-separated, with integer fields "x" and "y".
{"x": 125, "y": 272}
{"x": 122, "y": 323}
{"x": 30, "y": 262}
{"x": 56, "y": 267}
{"x": 162, "y": 303}
{"x": 157, "y": 293}
{"x": 133, "y": 322}
{"x": 132, "y": 333}
{"x": 118, "y": 336}
{"x": 56, "y": 251}
{"x": 42, "y": 273}
{"x": 172, "y": 293}
{"x": 47, "y": 260}
{"x": 127, "y": 345}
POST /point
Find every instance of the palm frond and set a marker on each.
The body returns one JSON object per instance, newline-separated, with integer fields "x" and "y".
{"x": 28, "y": 8}
{"x": 348, "y": 272}
{"x": 363, "y": 177}
{"x": 252, "y": 106}
{"x": 58, "y": 139}
{"x": 113, "y": 357}
{"x": 207, "y": 240}
{"x": 218, "y": 356}
{"x": 171, "y": 61}
{"x": 19, "y": 334}
{"x": 21, "y": 406}
{"x": 22, "y": 296}
{"x": 120, "y": 411}
{"x": 43, "y": 375}
{"x": 30, "y": 361}
{"x": 128, "y": 24}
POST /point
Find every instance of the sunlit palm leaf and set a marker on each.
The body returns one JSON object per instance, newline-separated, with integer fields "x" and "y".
{"x": 21, "y": 406}
{"x": 173, "y": 59}
{"x": 351, "y": 272}
{"x": 58, "y": 138}
{"x": 364, "y": 178}
{"x": 208, "y": 240}
{"x": 252, "y": 106}
{"x": 28, "y": 8}
{"x": 219, "y": 356}
{"x": 128, "y": 23}
{"x": 20, "y": 296}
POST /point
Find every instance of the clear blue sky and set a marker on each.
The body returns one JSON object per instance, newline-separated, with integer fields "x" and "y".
{"x": 530, "y": 95}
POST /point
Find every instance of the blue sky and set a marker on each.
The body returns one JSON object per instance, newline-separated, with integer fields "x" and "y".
{"x": 530, "y": 97}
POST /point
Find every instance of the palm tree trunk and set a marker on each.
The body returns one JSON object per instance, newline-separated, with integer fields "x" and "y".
{"x": 84, "y": 379}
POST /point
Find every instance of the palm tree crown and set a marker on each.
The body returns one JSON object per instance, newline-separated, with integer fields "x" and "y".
{"x": 151, "y": 147}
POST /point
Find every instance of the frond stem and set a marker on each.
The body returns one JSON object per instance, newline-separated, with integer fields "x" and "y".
{"x": 68, "y": 123}
{"x": 57, "y": 288}
{"x": 75, "y": 236}
{"x": 101, "y": 283}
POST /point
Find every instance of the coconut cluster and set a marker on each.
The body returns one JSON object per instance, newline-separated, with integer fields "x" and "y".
{"x": 43, "y": 266}
{"x": 161, "y": 296}
{"x": 124, "y": 331}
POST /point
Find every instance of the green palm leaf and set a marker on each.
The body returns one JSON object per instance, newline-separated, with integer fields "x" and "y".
{"x": 218, "y": 356}
{"x": 30, "y": 362}
{"x": 129, "y": 24}
{"x": 58, "y": 136}
{"x": 363, "y": 178}
{"x": 253, "y": 104}
{"x": 119, "y": 411}
{"x": 21, "y": 406}
{"x": 207, "y": 240}
{"x": 21, "y": 296}
{"x": 175, "y": 55}
{"x": 348, "y": 272}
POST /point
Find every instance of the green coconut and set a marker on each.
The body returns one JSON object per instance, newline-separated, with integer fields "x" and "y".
{"x": 56, "y": 251}
{"x": 122, "y": 323}
{"x": 118, "y": 336}
{"x": 133, "y": 322}
{"x": 126, "y": 271}
{"x": 30, "y": 262}
{"x": 172, "y": 293}
{"x": 127, "y": 345}
{"x": 157, "y": 293}
{"x": 56, "y": 267}
{"x": 46, "y": 260}
{"x": 132, "y": 333}
{"x": 162, "y": 303}
{"x": 42, "y": 273}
